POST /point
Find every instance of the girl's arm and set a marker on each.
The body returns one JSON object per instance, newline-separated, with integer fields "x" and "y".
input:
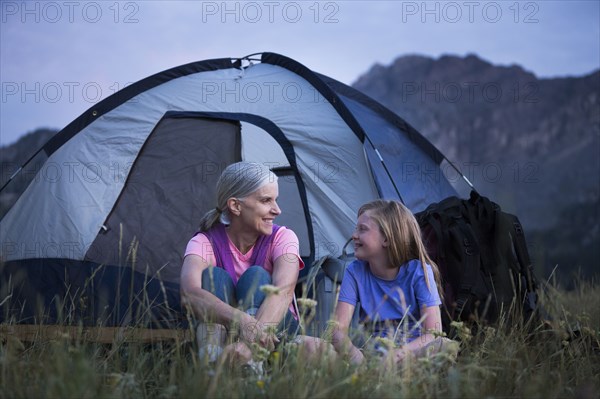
{"x": 432, "y": 322}
{"x": 340, "y": 340}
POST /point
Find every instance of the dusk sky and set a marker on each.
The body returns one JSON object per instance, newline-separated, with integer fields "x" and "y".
{"x": 58, "y": 58}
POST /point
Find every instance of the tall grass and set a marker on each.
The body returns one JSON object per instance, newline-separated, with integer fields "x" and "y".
{"x": 551, "y": 360}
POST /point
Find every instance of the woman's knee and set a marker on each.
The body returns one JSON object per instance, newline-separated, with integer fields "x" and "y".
{"x": 248, "y": 286}
{"x": 218, "y": 282}
{"x": 255, "y": 274}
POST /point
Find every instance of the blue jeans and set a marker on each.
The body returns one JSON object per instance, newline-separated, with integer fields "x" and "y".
{"x": 246, "y": 294}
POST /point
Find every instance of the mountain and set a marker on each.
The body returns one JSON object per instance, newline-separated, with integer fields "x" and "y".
{"x": 530, "y": 144}
{"x": 14, "y": 156}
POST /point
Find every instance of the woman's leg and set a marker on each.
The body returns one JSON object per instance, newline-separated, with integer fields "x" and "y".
{"x": 248, "y": 288}
{"x": 251, "y": 297}
{"x": 218, "y": 282}
{"x": 211, "y": 337}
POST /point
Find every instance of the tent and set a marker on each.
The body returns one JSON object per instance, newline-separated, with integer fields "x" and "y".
{"x": 98, "y": 236}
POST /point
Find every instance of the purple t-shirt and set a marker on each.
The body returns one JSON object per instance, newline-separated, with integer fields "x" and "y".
{"x": 398, "y": 301}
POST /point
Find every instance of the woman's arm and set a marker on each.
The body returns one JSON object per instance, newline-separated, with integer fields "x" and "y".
{"x": 340, "y": 340}
{"x": 284, "y": 277}
{"x": 206, "y": 306}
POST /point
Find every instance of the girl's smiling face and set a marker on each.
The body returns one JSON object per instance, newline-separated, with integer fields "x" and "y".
{"x": 369, "y": 242}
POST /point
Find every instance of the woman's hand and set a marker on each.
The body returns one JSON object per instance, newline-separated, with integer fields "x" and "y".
{"x": 255, "y": 331}
{"x": 356, "y": 356}
{"x": 237, "y": 353}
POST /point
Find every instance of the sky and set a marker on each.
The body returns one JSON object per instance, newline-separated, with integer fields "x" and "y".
{"x": 58, "y": 58}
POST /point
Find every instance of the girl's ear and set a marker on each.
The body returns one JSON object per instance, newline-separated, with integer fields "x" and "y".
{"x": 386, "y": 243}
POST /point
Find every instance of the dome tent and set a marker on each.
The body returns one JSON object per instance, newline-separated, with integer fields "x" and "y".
{"x": 125, "y": 184}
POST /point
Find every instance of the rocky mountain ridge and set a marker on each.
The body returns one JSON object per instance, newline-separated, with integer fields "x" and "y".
{"x": 530, "y": 144}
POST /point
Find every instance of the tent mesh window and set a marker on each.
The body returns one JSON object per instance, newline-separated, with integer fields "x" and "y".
{"x": 163, "y": 213}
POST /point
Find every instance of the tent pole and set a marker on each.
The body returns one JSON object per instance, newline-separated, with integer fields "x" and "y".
{"x": 461, "y": 174}
{"x": 21, "y": 168}
{"x": 385, "y": 168}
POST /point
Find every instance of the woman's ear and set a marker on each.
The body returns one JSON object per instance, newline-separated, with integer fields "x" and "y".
{"x": 234, "y": 206}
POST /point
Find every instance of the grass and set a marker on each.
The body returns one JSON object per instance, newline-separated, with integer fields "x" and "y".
{"x": 507, "y": 360}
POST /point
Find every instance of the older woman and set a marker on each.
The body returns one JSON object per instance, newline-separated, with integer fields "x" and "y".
{"x": 237, "y": 250}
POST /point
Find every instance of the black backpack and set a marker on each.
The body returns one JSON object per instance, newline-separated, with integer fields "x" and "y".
{"x": 482, "y": 256}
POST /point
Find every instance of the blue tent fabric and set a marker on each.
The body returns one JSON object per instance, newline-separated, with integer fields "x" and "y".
{"x": 67, "y": 292}
{"x": 414, "y": 172}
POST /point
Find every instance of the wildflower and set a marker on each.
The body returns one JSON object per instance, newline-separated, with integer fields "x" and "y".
{"x": 332, "y": 323}
{"x": 275, "y": 356}
{"x": 388, "y": 343}
{"x": 169, "y": 392}
{"x": 307, "y": 303}
{"x": 269, "y": 289}
{"x": 271, "y": 329}
{"x": 14, "y": 344}
{"x": 490, "y": 331}
{"x": 260, "y": 352}
{"x": 113, "y": 379}
{"x": 464, "y": 333}
{"x": 260, "y": 384}
{"x": 450, "y": 350}
{"x": 120, "y": 379}
{"x": 354, "y": 379}
{"x": 331, "y": 326}
{"x": 437, "y": 333}
{"x": 588, "y": 331}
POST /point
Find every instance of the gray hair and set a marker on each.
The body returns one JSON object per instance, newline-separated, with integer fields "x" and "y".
{"x": 238, "y": 180}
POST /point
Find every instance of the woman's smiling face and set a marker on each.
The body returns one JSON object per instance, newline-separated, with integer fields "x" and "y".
{"x": 259, "y": 209}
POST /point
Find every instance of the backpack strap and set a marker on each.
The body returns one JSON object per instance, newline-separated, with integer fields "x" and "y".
{"x": 482, "y": 215}
{"x": 470, "y": 274}
{"x": 529, "y": 297}
{"x": 518, "y": 238}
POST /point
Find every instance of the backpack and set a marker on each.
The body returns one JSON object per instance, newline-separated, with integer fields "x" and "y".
{"x": 323, "y": 284}
{"x": 482, "y": 257}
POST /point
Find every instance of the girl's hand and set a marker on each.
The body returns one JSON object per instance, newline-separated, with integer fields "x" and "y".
{"x": 401, "y": 354}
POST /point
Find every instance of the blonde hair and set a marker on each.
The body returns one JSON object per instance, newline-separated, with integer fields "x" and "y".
{"x": 399, "y": 226}
{"x": 238, "y": 180}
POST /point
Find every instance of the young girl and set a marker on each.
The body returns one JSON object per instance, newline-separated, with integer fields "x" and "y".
{"x": 393, "y": 279}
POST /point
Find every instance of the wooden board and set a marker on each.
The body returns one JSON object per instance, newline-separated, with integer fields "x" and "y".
{"x": 105, "y": 335}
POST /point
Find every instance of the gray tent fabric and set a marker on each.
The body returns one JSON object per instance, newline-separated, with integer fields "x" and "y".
{"x": 125, "y": 184}
{"x": 165, "y": 195}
